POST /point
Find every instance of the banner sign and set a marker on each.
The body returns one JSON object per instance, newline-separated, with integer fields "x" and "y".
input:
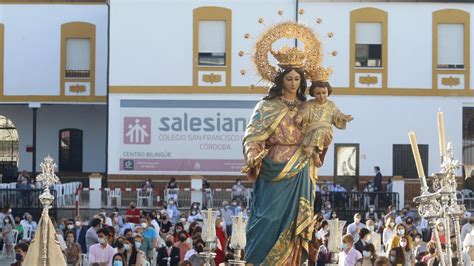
{"x": 183, "y": 136}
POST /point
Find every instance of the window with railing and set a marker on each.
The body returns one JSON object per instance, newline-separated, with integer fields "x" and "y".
{"x": 451, "y": 46}
{"x": 78, "y": 58}
{"x": 212, "y": 43}
{"x": 368, "y": 50}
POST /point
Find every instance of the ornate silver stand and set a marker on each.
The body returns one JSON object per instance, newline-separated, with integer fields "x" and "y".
{"x": 439, "y": 204}
{"x": 207, "y": 254}
{"x": 236, "y": 261}
{"x": 209, "y": 235}
{"x": 238, "y": 239}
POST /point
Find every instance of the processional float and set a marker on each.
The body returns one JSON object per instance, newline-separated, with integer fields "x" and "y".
{"x": 44, "y": 249}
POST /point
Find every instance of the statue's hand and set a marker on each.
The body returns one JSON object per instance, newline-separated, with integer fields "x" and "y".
{"x": 251, "y": 159}
{"x": 327, "y": 139}
{"x": 348, "y": 118}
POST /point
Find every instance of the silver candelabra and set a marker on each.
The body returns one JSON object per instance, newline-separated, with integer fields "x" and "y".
{"x": 209, "y": 235}
{"x": 438, "y": 204}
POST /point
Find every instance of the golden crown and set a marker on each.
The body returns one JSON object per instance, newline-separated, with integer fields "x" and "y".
{"x": 289, "y": 57}
{"x": 309, "y": 59}
{"x": 319, "y": 73}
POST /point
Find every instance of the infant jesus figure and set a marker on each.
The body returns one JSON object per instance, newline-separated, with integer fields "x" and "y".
{"x": 316, "y": 118}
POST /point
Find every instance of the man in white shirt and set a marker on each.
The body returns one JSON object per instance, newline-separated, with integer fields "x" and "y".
{"x": 467, "y": 228}
{"x": 354, "y": 227}
{"x": 352, "y": 256}
{"x": 102, "y": 252}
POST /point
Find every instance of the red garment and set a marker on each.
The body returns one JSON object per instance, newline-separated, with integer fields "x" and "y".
{"x": 136, "y": 216}
{"x": 442, "y": 238}
{"x": 220, "y": 254}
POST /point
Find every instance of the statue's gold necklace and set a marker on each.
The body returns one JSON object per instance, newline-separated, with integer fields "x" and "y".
{"x": 291, "y": 104}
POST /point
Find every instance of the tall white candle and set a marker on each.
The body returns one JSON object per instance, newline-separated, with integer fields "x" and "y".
{"x": 416, "y": 154}
{"x": 239, "y": 222}
{"x": 209, "y": 223}
{"x": 441, "y": 135}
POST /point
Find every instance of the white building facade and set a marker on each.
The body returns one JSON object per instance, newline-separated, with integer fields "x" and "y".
{"x": 397, "y": 65}
{"x": 53, "y": 72}
{"x": 170, "y": 97}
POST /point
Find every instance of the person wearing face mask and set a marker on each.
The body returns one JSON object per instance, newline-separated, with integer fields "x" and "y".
{"x": 73, "y": 250}
{"x": 333, "y": 215}
{"x": 400, "y": 231}
{"x": 371, "y": 214}
{"x": 441, "y": 232}
{"x": 419, "y": 247}
{"x": 390, "y": 213}
{"x": 119, "y": 260}
{"x": 169, "y": 254}
{"x": 350, "y": 255}
{"x": 150, "y": 237}
{"x": 354, "y": 227}
{"x": 238, "y": 190}
{"x": 388, "y": 232}
{"x": 20, "y": 252}
{"x": 91, "y": 234}
{"x": 166, "y": 224}
{"x": 148, "y": 184}
{"x": 396, "y": 258}
{"x": 184, "y": 221}
{"x": 364, "y": 239}
{"x": 173, "y": 211}
{"x": 375, "y": 238}
{"x": 403, "y": 253}
{"x": 7, "y": 234}
{"x": 368, "y": 255}
{"x": 403, "y": 215}
{"x": 80, "y": 233}
{"x": 102, "y": 252}
{"x": 133, "y": 214}
{"x": 141, "y": 256}
{"x": 183, "y": 245}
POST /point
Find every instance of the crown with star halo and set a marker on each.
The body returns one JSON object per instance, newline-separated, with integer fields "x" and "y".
{"x": 289, "y": 57}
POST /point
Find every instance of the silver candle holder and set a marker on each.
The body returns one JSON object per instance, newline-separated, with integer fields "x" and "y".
{"x": 209, "y": 235}
{"x": 239, "y": 239}
{"x": 336, "y": 228}
{"x": 438, "y": 203}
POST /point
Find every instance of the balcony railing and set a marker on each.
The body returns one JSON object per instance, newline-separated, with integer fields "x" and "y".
{"x": 78, "y": 73}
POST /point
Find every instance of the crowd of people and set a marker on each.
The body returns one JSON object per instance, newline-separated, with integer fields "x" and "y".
{"x": 166, "y": 236}
{"x": 394, "y": 238}
{"x": 170, "y": 236}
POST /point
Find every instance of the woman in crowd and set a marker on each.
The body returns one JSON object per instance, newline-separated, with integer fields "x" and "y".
{"x": 183, "y": 245}
{"x": 7, "y": 234}
{"x": 130, "y": 251}
{"x": 119, "y": 260}
{"x": 166, "y": 224}
{"x": 221, "y": 241}
{"x": 73, "y": 250}
{"x": 388, "y": 232}
{"x": 368, "y": 255}
{"x": 141, "y": 257}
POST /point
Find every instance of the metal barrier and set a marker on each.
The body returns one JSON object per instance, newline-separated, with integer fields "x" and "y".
{"x": 346, "y": 204}
{"x": 122, "y": 197}
{"x": 26, "y": 200}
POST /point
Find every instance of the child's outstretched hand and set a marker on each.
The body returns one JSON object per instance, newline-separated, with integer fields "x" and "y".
{"x": 348, "y": 118}
{"x": 298, "y": 120}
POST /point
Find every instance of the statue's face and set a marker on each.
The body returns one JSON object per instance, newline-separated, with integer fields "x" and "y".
{"x": 291, "y": 82}
{"x": 321, "y": 94}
